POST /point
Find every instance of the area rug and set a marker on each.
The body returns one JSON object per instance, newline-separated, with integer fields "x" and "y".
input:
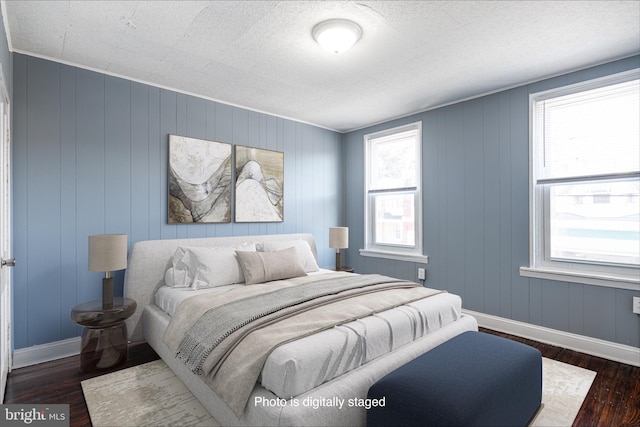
{"x": 144, "y": 395}
{"x": 564, "y": 388}
{"x": 151, "y": 395}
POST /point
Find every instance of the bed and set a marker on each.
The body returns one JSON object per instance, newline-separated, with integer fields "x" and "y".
{"x": 320, "y": 378}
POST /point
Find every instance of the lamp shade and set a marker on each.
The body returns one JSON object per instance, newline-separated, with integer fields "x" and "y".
{"x": 339, "y": 237}
{"x": 107, "y": 252}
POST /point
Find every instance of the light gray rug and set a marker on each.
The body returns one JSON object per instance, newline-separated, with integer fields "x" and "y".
{"x": 144, "y": 395}
{"x": 564, "y": 388}
{"x": 151, "y": 395}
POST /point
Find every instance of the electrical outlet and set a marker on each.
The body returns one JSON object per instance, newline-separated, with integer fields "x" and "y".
{"x": 636, "y": 305}
{"x": 422, "y": 274}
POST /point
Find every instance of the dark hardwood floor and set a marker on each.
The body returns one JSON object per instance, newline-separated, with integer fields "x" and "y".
{"x": 613, "y": 400}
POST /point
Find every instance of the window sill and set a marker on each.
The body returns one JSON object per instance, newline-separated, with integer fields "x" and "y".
{"x": 610, "y": 281}
{"x": 421, "y": 259}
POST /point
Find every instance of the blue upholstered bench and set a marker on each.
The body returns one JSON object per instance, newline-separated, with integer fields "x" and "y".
{"x": 474, "y": 379}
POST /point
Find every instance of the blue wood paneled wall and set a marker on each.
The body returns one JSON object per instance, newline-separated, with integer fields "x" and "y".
{"x": 476, "y": 216}
{"x": 90, "y": 156}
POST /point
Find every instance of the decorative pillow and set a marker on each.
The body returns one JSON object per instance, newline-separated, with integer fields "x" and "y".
{"x": 206, "y": 267}
{"x": 260, "y": 267}
{"x": 177, "y": 278}
{"x": 177, "y": 275}
{"x": 307, "y": 258}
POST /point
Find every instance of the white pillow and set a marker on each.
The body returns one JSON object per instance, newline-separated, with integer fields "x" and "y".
{"x": 177, "y": 278}
{"x": 206, "y": 267}
{"x": 177, "y": 275}
{"x": 305, "y": 254}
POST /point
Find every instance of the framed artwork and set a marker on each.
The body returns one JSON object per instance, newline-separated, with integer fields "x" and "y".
{"x": 199, "y": 181}
{"x": 259, "y": 185}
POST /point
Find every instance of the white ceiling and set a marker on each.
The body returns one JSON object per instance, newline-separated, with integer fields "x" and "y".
{"x": 413, "y": 55}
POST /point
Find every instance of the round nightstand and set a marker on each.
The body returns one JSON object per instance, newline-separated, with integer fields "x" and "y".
{"x": 345, "y": 268}
{"x": 104, "y": 337}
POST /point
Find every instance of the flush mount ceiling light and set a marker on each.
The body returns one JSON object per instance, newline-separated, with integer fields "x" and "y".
{"x": 337, "y": 35}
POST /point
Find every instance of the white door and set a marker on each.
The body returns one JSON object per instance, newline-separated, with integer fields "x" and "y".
{"x": 5, "y": 238}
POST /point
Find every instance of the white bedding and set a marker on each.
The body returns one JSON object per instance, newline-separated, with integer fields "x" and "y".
{"x": 299, "y": 366}
{"x": 145, "y": 275}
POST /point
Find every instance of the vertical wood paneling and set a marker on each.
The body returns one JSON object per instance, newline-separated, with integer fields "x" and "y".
{"x": 600, "y": 312}
{"x": 476, "y": 201}
{"x": 553, "y": 305}
{"x": 534, "y": 311}
{"x": 90, "y": 173}
{"x": 305, "y": 201}
{"x": 455, "y": 203}
{"x": 91, "y": 156}
{"x": 576, "y": 311}
{"x": 439, "y": 253}
{"x": 504, "y": 249}
{"x": 317, "y": 186}
{"x": 430, "y": 185}
{"x": 156, "y": 212}
{"x": 473, "y": 194}
{"x": 43, "y": 199}
{"x": 291, "y": 166}
{"x": 491, "y": 184}
{"x": 68, "y": 205}
{"x": 139, "y": 172}
{"x": 117, "y": 156}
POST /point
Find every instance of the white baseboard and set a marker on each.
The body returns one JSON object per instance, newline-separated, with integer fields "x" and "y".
{"x": 593, "y": 346}
{"x": 45, "y": 352}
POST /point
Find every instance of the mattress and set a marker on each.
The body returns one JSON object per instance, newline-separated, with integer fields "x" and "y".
{"x": 299, "y": 366}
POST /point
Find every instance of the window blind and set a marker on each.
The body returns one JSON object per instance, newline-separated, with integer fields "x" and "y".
{"x": 589, "y": 133}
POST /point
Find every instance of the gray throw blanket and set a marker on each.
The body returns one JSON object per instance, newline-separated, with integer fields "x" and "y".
{"x": 220, "y": 322}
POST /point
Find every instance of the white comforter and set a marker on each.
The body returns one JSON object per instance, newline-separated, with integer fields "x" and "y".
{"x": 301, "y": 365}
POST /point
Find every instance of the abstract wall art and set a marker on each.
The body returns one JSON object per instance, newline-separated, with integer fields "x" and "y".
{"x": 259, "y": 185}
{"x": 199, "y": 180}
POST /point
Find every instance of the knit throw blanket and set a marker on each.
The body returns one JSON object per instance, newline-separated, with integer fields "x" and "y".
{"x": 220, "y": 322}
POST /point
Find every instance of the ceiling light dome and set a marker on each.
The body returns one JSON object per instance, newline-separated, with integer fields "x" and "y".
{"x": 337, "y": 35}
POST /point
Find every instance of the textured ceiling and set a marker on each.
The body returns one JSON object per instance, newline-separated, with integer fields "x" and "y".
{"x": 260, "y": 55}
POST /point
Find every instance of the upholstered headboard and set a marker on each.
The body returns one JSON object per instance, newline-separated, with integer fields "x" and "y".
{"x": 148, "y": 261}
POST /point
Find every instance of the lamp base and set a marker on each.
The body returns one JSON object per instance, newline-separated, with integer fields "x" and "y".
{"x": 107, "y": 293}
{"x": 338, "y": 261}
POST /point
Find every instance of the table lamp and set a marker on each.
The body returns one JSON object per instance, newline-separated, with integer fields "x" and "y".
{"x": 107, "y": 252}
{"x": 338, "y": 239}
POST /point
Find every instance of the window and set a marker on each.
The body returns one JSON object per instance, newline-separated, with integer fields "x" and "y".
{"x": 585, "y": 181}
{"x": 393, "y": 214}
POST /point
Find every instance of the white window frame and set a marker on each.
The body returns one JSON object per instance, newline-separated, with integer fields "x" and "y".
{"x": 396, "y": 252}
{"x": 541, "y": 264}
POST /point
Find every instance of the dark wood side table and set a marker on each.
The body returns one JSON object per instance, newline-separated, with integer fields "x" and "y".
{"x": 104, "y": 338}
{"x": 345, "y": 268}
